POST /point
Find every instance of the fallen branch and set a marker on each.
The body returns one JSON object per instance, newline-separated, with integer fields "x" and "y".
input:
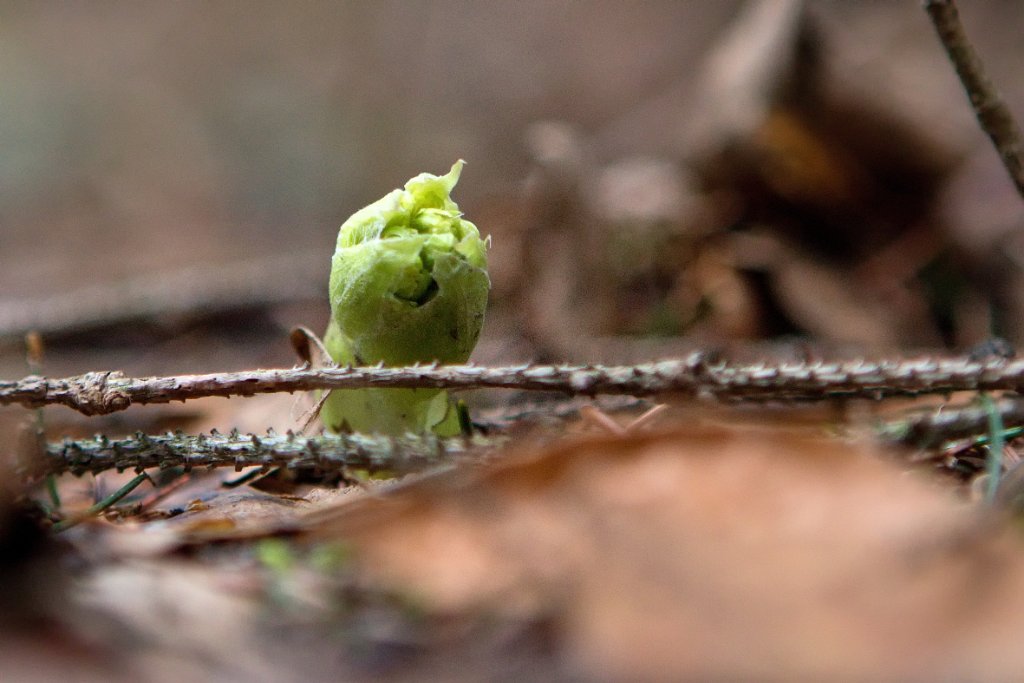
{"x": 98, "y": 393}
{"x": 324, "y": 453}
{"x": 164, "y": 297}
{"x": 327, "y": 453}
{"x": 926, "y": 430}
{"x": 991, "y": 111}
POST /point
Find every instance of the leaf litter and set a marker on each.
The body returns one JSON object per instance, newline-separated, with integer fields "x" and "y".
{"x": 698, "y": 547}
{"x": 707, "y": 545}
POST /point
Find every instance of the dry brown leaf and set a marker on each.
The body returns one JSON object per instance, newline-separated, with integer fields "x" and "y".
{"x": 708, "y": 553}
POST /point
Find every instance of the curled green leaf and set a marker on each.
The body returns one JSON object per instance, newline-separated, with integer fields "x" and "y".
{"x": 408, "y": 284}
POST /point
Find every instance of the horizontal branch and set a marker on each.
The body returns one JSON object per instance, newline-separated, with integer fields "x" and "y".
{"x": 324, "y": 453}
{"x": 327, "y": 453}
{"x": 164, "y": 296}
{"x": 98, "y": 393}
{"x": 930, "y": 429}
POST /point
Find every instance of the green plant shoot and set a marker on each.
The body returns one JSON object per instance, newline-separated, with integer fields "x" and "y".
{"x": 408, "y": 284}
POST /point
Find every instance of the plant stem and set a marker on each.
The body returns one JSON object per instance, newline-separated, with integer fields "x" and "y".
{"x": 994, "y": 460}
{"x": 99, "y": 507}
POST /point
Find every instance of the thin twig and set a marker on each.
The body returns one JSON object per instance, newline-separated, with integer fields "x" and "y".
{"x": 98, "y": 393}
{"x": 324, "y": 453}
{"x": 991, "y": 111}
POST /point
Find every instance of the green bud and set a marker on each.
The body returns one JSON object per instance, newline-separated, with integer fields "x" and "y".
{"x": 408, "y": 284}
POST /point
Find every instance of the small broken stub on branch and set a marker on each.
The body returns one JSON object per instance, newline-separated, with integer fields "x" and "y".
{"x": 94, "y": 396}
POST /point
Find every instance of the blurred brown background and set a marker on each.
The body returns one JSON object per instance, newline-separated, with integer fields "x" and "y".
{"x": 714, "y": 172}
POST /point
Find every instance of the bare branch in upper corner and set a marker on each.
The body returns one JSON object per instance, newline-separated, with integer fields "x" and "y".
{"x": 990, "y": 109}
{"x": 98, "y": 393}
